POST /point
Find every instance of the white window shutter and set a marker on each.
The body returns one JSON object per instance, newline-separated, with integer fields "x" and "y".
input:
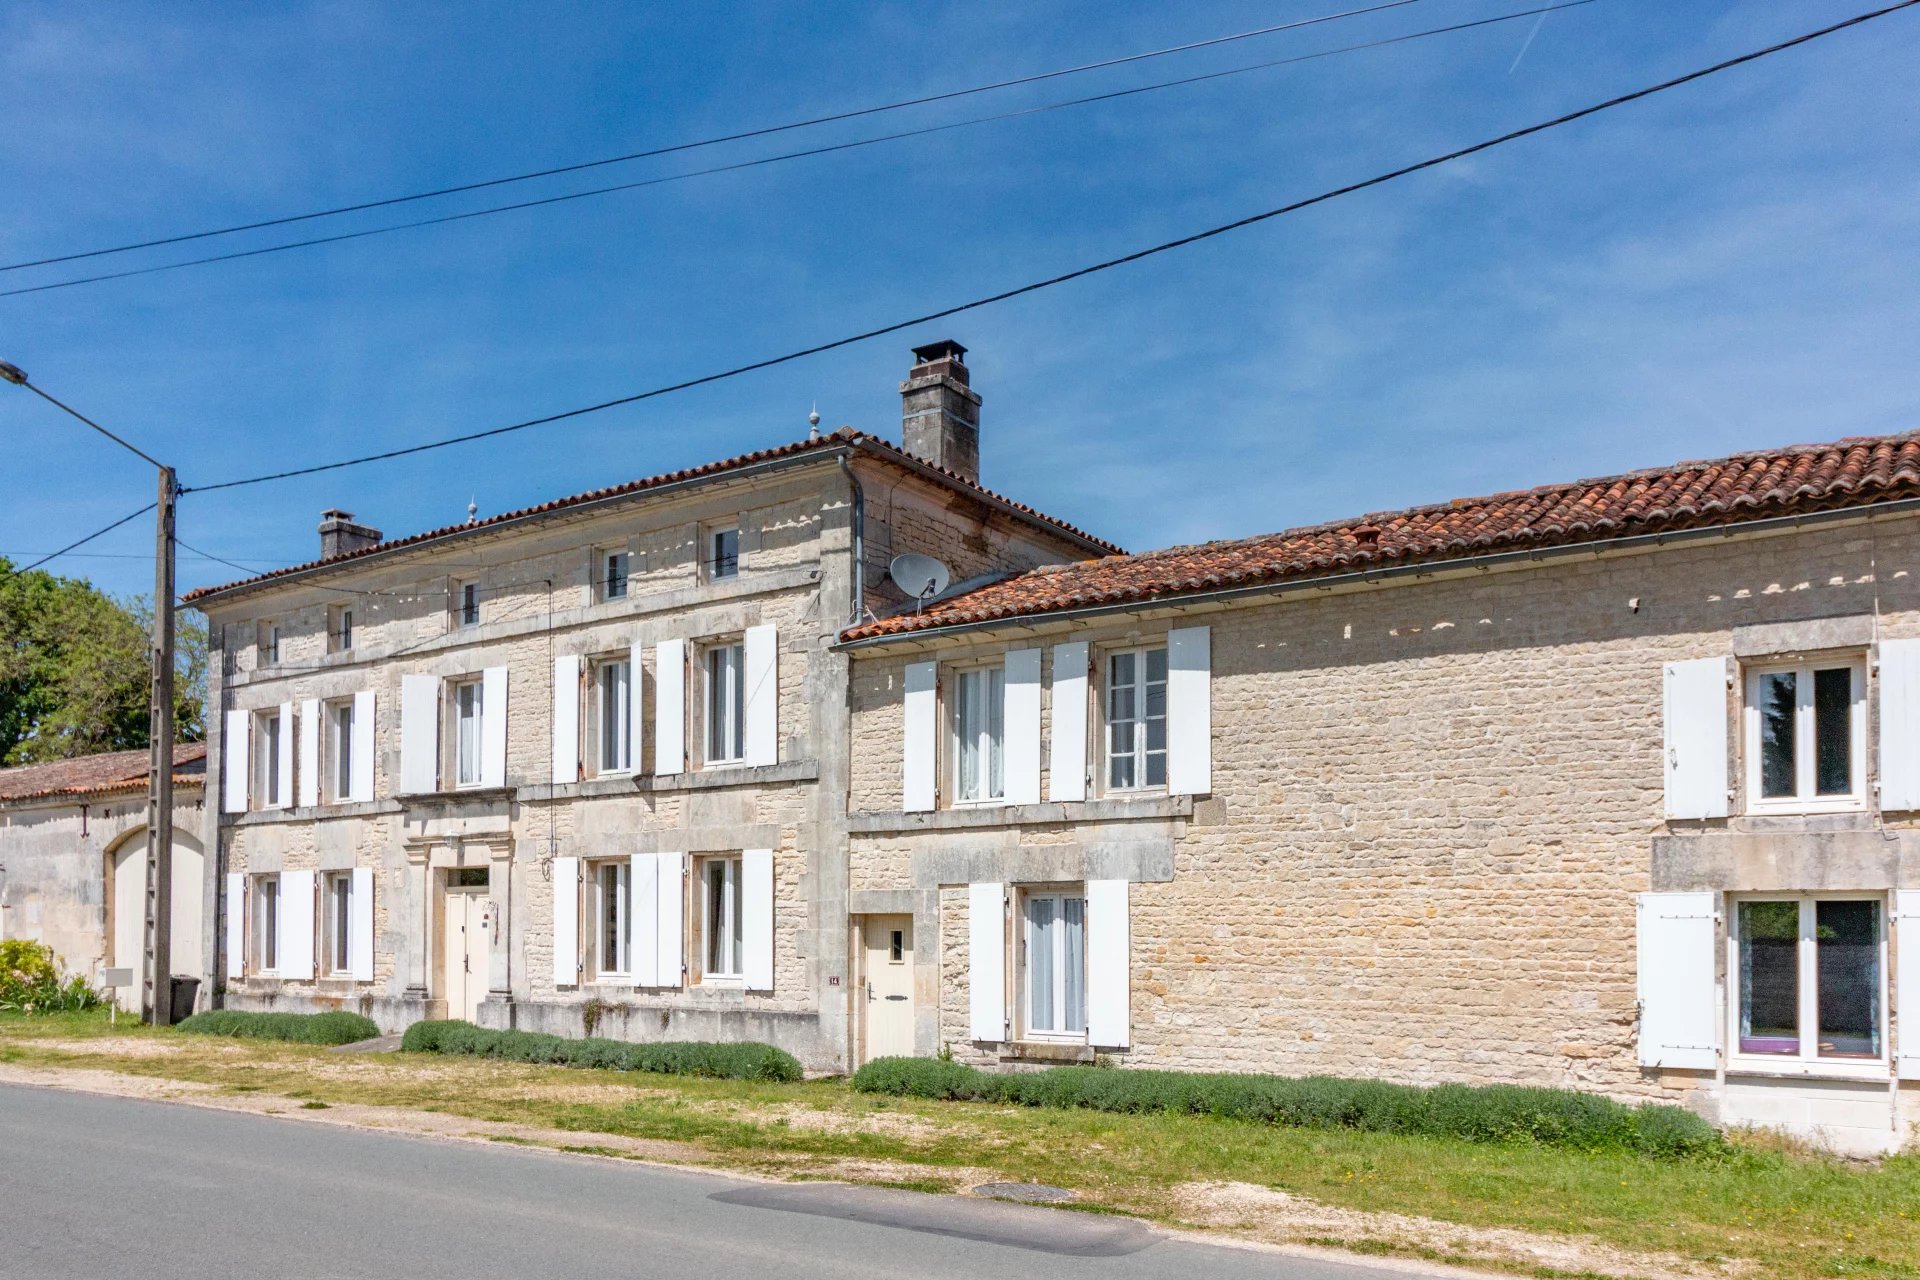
{"x": 671, "y": 931}
{"x": 566, "y": 922}
{"x": 566, "y": 719}
{"x": 987, "y": 962}
{"x": 1068, "y": 777}
{"x": 761, "y": 656}
{"x": 919, "y": 747}
{"x": 493, "y": 727}
{"x": 636, "y": 707}
{"x": 419, "y": 734}
{"x": 283, "y": 731}
{"x": 296, "y": 924}
{"x": 1899, "y": 725}
{"x": 360, "y": 925}
{"x": 756, "y": 920}
{"x": 234, "y": 774}
{"x": 643, "y": 917}
{"x": 1189, "y": 711}
{"x": 1109, "y": 965}
{"x": 1696, "y": 738}
{"x": 1677, "y": 950}
{"x": 1020, "y": 723}
{"x": 309, "y": 766}
{"x": 365, "y": 731}
{"x": 1906, "y": 979}
{"x": 670, "y": 706}
{"x": 236, "y": 923}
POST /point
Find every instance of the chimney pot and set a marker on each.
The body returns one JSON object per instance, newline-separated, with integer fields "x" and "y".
{"x": 940, "y": 411}
{"x": 340, "y": 536}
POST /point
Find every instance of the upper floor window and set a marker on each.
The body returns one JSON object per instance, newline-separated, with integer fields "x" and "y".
{"x": 1136, "y": 710}
{"x": 269, "y": 635}
{"x": 613, "y": 575}
{"x": 1810, "y": 978}
{"x": 340, "y": 628}
{"x": 722, "y": 554}
{"x": 339, "y": 749}
{"x": 726, "y": 704}
{"x": 469, "y": 709}
{"x": 1806, "y": 736}
{"x": 269, "y": 741}
{"x": 466, "y": 603}
{"x": 613, "y": 716}
{"x": 979, "y": 737}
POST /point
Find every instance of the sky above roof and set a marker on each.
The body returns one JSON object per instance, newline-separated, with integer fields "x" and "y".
{"x": 1728, "y": 267}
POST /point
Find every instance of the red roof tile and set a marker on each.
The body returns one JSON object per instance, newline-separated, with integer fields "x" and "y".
{"x": 1855, "y": 472}
{"x": 845, "y": 436}
{"x": 96, "y": 774}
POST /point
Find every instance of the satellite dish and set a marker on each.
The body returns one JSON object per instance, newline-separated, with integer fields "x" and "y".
{"x": 921, "y": 577}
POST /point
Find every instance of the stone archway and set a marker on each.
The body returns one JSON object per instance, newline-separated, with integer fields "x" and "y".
{"x": 126, "y": 883}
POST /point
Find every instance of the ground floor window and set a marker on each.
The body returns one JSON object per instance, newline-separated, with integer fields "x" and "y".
{"x": 338, "y": 960}
{"x": 613, "y": 900}
{"x": 1810, "y": 974}
{"x": 1055, "y": 985}
{"x": 723, "y": 935}
{"x": 266, "y": 923}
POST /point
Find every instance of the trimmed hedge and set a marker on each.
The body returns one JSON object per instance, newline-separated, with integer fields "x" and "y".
{"x": 1472, "y": 1113}
{"x": 334, "y": 1027}
{"x": 747, "y": 1061}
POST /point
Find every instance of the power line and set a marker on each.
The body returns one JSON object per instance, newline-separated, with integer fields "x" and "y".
{"x": 743, "y": 135}
{"x": 75, "y": 413}
{"x": 98, "y": 533}
{"x": 1125, "y": 259}
{"x": 762, "y": 161}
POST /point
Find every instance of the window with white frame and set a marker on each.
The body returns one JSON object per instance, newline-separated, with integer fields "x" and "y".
{"x": 1806, "y": 736}
{"x": 466, "y": 603}
{"x": 266, "y": 760}
{"x": 336, "y": 961}
{"x": 722, "y": 554}
{"x": 612, "y": 716}
{"x": 339, "y": 750}
{"x": 726, "y": 704}
{"x": 722, "y": 935}
{"x": 1054, "y": 945}
{"x": 612, "y": 903}
{"x": 340, "y": 628}
{"x": 1810, "y": 978}
{"x": 1136, "y": 719}
{"x": 613, "y": 575}
{"x": 979, "y": 737}
{"x": 469, "y": 713}
{"x": 265, "y": 921}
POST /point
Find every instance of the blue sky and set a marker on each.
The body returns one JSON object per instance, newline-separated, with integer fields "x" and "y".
{"x": 1730, "y": 266}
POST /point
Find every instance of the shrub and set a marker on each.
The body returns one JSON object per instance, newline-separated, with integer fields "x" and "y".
{"x": 685, "y": 1058}
{"x": 331, "y": 1028}
{"x": 30, "y": 981}
{"x": 1471, "y": 1113}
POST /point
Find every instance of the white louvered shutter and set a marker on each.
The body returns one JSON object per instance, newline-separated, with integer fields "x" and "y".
{"x": 283, "y": 734}
{"x": 1676, "y": 951}
{"x": 756, "y": 920}
{"x": 1906, "y": 979}
{"x": 1020, "y": 723}
{"x": 1109, "y": 965}
{"x": 365, "y": 731}
{"x": 1067, "y": 779}
{"x": 919, "y": 747}
{"x": 566, "y": 922}
{"x": 419, "y": 734}
{"x": 1899, "y": 725}
{"x": 643, "y": 917}
{"x": 493, "y": 727}
{"x": 296, "y": 924}
{"x": 1696, "y": 738}
{"x": 234, "y": 775}
{"x": 987, "y": 962}
{"x": 236, "y": 924}
{"x": 760, "y": 653}
{"x": 670, "y": 935}
{"x": 1189, "y": 711}
{"x": 360, "y": 925}
{"x": 670, "y": 706}
{"x": 566, "y": 719}
{"x": 308, "y": 767}
{"x": 636, "y": 708}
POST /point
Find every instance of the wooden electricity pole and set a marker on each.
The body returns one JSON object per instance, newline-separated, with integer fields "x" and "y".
{"x": 157, "y": 986}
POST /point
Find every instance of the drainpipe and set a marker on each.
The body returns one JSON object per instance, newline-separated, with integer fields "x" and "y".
{"x": 859, "y": 542}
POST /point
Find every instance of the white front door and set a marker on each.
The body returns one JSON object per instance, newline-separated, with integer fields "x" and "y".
{"x": 466, "y": 951}
{"x": 889, "y": 987}
{"x": 127, "y": 914}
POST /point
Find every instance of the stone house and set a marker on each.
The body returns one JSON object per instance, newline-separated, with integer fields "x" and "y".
{"x": 582, "y": 766}
{"x": 73, "y": 861}
{"x": 1609, "y": 785}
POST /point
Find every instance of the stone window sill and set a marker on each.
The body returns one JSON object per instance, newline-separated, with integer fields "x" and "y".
{"x": 1146, "y": 808}
{"x": 1054, "y": 1052}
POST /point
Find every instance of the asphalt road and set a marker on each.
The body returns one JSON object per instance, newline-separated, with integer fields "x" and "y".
{"x": 104, "y": 1188}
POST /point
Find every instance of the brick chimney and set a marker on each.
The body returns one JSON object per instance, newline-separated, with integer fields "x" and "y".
{"x": 340, "y": 536}
{"x": 939, "y": 412}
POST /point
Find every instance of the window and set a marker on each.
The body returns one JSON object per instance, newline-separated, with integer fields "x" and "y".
{"x": 613, "y": 896}
{"x": 1806, "y": 737}
{"x": 1136, "y": 719}
{"x": 979, "y": 708}
{"x": 1811, "y": 978}
{"x": 613, "y": 717}
{"x": 1056, "y": 977}
{"x": 266, "y": 923}
{"x": 339, "y": 750}
{"x": 726, "y": 699}
{"x": 269, "y": 636}
{"x": 723, "y": 944}
{"x": 722, "y": 554}
{"x": 266, "y": 755}
{"x": 340, "y": 628}
{"x": 466, "y": 604}
{"x": 613, "y": 575}
{"x": 468, "y": 710}
{"x": 896, "y": 946}
{"x": 336, "y": 960}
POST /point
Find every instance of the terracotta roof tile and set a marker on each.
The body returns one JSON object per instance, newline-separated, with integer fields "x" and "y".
{"x": 97, "y": 774}
{"x": 1854, "y": 472}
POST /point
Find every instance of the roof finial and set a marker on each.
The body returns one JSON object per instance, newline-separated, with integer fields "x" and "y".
{"x": 473, "y": 511}
{"x": 813, "y": 422}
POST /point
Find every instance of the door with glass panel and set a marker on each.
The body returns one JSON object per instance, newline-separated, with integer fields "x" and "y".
{"x": 466, "y": 948}
{"x": 888, "y": 1030}
{"x": 1054, "y": 944}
